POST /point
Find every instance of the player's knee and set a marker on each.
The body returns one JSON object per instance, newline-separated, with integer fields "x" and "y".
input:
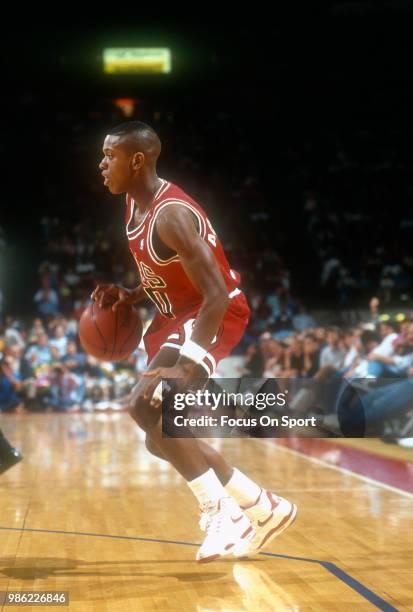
{"x": 143, "y": 413}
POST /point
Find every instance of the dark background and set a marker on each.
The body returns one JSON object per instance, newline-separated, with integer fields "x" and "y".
{"x": 260, "y": 119}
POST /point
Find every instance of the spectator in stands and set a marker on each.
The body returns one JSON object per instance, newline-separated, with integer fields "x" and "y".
{"x": 39, "y": 353}
{"x": 47, "y": 302}
{"x": 74, "y": 360}
{"x": 274, "y": 359}
{"x": 36, "y": 330}
{"x": 9, "y": 385}
{"x": 12, "y": 333}
{"x": 59, "y": 341}
{"x": 302, "y": 320}
{"x": 273, "y": 302}
{"x": 374, "y": 310}
{"x": 253, "y": 364}
{"x": 293, "y": 358}
{"x": 369, "y": 341}
{"x": 332, "y": 354}
{"x": 311, "y": 352}
{"x": 66, "y": 391}
{"x": 388, "y": 331}
{"x": 351, "y": 345}
{"x": 400, "y": 363}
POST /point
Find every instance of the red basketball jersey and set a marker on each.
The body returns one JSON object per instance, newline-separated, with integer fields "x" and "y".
{"x": 165, "y": 280}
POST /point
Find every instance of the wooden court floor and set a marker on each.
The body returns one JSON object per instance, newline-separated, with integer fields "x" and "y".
{"x": 89, "y": 511}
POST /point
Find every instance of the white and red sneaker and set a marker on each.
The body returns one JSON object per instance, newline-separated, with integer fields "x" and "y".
{"x": 226, "y": 527}
{"x": 270, "y": 515}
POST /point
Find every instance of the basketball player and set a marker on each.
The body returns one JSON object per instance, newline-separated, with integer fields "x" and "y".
{"x": 9, "y": 455}
{"x": 201, "y": 317}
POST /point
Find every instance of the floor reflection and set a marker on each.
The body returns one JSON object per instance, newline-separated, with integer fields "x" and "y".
{"x": 256, "y": 592}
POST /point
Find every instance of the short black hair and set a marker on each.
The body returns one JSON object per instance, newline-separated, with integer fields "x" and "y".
{"x": 369, "y": 336}
{"x": 130, "y": 127}
{"x": 310, "y": 336}
{"x": 335, "y": 329}
{"x": 142, "y": 135}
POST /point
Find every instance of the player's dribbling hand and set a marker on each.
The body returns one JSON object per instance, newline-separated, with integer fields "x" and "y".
{"x": 112, "y": 295}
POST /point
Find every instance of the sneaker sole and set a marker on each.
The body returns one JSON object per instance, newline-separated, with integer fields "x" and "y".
{"x": 215, "y": 557}
{"x": 209, "y": 559}
{"x": 228, "y": 551}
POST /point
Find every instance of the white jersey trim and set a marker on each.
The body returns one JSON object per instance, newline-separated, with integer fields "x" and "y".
{"x": 138, "y": 227}
{"x": 131, "y": 233}
{"x": 129, "y": 203}
{"x": 159, "y": 207}
{"x": 132, "y": 236}
{"x": 162, "y": 190}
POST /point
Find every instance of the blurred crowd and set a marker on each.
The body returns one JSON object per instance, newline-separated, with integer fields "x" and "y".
{"x": 43, "y": 368}
{"x": 373, "y": 358}
{"x": 378, "y": 346}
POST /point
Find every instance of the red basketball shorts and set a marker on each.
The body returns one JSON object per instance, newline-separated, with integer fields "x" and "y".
{"x": 173, "y": 332}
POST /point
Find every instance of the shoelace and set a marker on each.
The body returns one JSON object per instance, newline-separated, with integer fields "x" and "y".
{"x": 211, "y": 517}
{"x": 204, "y": 521}
{"x": 207, "y": 510}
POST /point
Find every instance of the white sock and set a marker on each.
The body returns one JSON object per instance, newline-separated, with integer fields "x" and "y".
{"x": 207, "y": 487}
{"x": 242, "y": 488}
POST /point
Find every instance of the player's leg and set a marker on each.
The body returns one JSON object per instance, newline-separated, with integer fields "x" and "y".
{"x": 214, "y": 459}
{"x": 226, "y": 525}
{"x": 174, "y": 450}
{"x": 269, "y": 513}
{"x": 9, "y": 455}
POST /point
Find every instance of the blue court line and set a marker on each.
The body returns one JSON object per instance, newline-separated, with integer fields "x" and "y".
{"x": 354, "y": 584}
{"x": 357, "y": 586}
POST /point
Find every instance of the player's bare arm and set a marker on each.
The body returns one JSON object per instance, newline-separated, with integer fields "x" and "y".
{"x": 176, "y": 229}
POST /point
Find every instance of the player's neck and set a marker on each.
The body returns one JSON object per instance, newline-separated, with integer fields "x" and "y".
{"x": 144, "y": 193}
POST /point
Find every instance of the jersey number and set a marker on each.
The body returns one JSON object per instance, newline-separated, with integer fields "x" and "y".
{"x": 153, "y": 286}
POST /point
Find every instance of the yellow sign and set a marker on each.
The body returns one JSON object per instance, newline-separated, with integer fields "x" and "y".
{"x": 136, "y": 60}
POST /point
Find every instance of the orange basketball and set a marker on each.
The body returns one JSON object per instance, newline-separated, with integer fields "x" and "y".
{"x": 108, "y": 335}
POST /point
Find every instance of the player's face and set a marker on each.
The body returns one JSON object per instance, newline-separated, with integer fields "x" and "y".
{"x": 116, "y": 165}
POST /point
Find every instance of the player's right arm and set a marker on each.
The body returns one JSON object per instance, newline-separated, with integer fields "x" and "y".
{"x": 106, "y": 294}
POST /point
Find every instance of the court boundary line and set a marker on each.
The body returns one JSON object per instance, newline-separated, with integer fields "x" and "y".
{"x": 333, "y": 569}
{"x": 372, "y": 481}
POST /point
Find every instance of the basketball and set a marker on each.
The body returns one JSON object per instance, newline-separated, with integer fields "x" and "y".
{"x": 110, "y": 335}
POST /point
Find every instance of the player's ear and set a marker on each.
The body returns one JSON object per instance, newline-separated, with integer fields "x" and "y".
{"x": 138, "y": 160}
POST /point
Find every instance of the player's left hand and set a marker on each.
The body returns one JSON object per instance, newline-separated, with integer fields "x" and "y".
{"x": 157, "y": 375}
